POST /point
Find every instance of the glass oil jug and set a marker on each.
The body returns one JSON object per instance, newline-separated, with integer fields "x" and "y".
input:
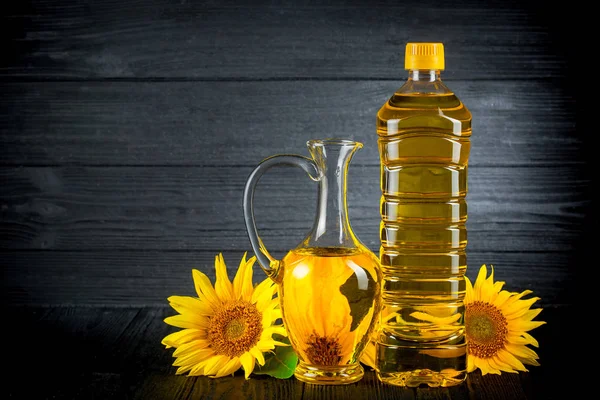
{"x": 329, "y": 285}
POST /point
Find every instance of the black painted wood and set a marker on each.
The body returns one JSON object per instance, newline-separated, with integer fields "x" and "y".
{"x": 516, "y": 122}
{"x": 93, "y": 208}
{"x": 141, "y": 278}
{"x": 279, "y": 39}
{"x": 101, "y": 222}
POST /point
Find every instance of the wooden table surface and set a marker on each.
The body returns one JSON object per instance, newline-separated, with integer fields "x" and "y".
{"x": 115, "y": 353}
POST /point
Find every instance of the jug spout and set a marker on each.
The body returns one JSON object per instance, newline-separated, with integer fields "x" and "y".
{"x": 332, "y": 226}
{"x": 332, "y": 152}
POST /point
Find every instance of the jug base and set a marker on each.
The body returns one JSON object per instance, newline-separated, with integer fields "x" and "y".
{"x": 423, "y": 377}
{"x": 336, "y": 375}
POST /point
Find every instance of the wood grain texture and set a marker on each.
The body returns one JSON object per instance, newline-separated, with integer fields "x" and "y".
{"x": 144, "y": 278}
{"x": 239, "y": 123}
{"x": 115, "y": 353}
{"x": 94, "y": 208}
{"x": 277, "y": 39}
{"x": 131, "y": 235}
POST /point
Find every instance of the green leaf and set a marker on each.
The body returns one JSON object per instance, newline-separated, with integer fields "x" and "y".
{"x": 279, "y": 364}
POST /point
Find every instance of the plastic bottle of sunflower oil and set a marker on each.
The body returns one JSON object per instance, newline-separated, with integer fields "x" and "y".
{"x": 424, "y": 143}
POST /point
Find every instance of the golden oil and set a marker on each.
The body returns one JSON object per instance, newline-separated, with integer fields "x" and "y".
{"x": 424, "y": 144}
{"x": 329, "y": 298}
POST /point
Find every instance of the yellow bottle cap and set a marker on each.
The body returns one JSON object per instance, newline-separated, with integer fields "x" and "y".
{"x": 424, "y": 56}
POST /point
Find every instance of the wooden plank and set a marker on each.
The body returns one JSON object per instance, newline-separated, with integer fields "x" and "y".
{"x": 93, "y": 208}
{"x": 371, "y": 386}
{"x": 496, "y": 387}
{"x": 273, "y": 39}
{"x": 117, "y": 354}
{"x": 80, "y": 338}
{"x": 240, "y": 123}
{"x": 143, "y": 278}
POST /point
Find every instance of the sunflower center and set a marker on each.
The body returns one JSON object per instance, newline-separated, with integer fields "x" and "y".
{"x": 323, "y": 350}
{"x": 486, "y": 329}
{"x": 235, "y": 328}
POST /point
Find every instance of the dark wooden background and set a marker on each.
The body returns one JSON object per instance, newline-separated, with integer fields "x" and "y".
{"x": 128, "y": 129}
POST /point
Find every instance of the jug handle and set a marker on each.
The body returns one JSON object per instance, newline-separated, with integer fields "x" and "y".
{"x": 269, "y": 264}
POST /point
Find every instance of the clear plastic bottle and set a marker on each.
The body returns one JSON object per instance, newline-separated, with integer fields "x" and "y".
{"x": 424, "y": 144}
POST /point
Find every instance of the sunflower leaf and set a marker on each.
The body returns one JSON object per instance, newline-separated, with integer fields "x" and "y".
{"x": 360, "y": 299}
{"x": 279, "y": 364}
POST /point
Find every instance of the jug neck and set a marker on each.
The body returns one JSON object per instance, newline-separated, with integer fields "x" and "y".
{"x": 332, "y": 226}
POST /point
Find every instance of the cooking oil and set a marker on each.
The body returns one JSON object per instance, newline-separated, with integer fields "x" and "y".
{"x": 424, "y": 143}
{"x": 329, "y": 298}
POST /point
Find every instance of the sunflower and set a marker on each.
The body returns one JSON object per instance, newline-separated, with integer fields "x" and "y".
{"x": 225, "y": 327}
{"x": 326, "y": 329}
{"x": 317, "y": 315}
{"x": 496, "y": 324}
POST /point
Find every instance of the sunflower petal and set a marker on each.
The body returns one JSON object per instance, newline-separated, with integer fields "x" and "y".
{"x": 229, "y": 368}
{"x": 514, "y": 297}
{"x": 190, "y": 305}
{"x": 501, "y": 298}
{"x": 530, "y": 361}
{"x": 275, "y": 329}
{"x": 266, "y": 286}
{"x": 178, "y": 338}
{"x": 263, "y": 293}
{"x": 487, "y": 288}
{"x": 214, "y": 364}
{"x": 479, "y": 281}
{"x": 223, "y": 286}
{"x": 204, "y": 288}
{"x": 519, "y": 338}
{"x": 190, "y": 347}
{"x": 187, "y": 321}
{"x": 522, "y": 352}
{"x": 194, "y": 358}
{"x": 531, "y": 314}
{"x": 258, "y": 355}
{"x": 183, "y": 369}
{"x": 497, "y": 289}
{"x": 248, "y": 363}
{"x": 532, "y": 341}
{"x": 485, "y": 367}
{"x": 520, "y": 325}
{"x": 519, "y": 308}
{"x": 469, "y": 291}
{"x": 197, "y": 370}
{"x": 506, "y": 357}
{"x": 276, "y": 314}
{"x": 471, "y": 364}
{"x": 265, "y": 345}
{"x": 242, "y": 282}
{"x": 500, "y": 366}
